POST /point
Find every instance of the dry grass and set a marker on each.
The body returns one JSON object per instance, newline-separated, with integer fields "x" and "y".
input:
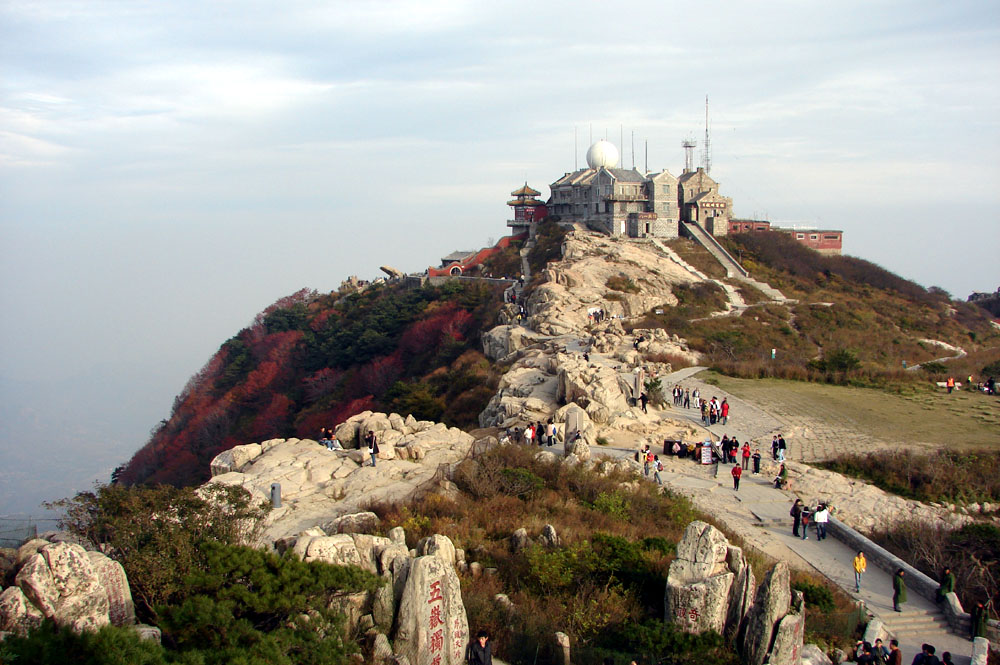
{"x": 915, "y": 414}
{"x": 603, "y": 585}
{"x": 697, "y": 256}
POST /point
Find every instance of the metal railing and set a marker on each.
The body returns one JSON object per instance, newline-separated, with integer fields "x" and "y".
{"x": 16, "y": 530}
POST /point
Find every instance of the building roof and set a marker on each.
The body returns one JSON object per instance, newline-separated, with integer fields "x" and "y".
{"x": 457, "y": 256}
{"x": 525, "y": 202}
{"x": 525, "y": 191}
{"x": 627, "y": 175}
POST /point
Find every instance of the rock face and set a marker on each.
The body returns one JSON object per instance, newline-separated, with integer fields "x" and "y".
{"x": 769, "y": 609}
{"x": 710, "y": 586}
{"x": 111, "y": 575}
{"x": 61, "y": 582}
{"x": 319, "y": 485}
{"x": 432, "y": 627}
{"x": 17, "y": 614}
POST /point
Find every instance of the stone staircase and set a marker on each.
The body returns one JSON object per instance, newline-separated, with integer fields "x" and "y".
{"x": 733, "y": 269}
{"x": 916, "y": 625}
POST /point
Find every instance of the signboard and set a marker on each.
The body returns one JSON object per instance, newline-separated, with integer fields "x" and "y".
{"x": 706, "y": 453}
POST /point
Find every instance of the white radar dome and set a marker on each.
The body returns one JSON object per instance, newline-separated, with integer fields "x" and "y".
{"x": 603, "y": 153}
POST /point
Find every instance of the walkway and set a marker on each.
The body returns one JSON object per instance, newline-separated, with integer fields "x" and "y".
{"x": 759, "y": 514}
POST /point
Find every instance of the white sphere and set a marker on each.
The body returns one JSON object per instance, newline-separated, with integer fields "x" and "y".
{"x": 603, "y": 153}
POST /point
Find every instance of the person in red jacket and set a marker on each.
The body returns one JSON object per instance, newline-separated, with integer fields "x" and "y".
{"x": 737, "y": 472}
{"x": 725, "y": 411}
{"x": 746, "y": 455}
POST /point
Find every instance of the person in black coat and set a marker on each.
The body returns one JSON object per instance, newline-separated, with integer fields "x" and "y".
{"x": 480, "y": 651}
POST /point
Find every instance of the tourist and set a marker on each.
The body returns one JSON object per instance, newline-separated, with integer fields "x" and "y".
{"x": 781, "y": 448}
{"x": 926, "y": 656}
{"x": 746, "y": 455}
{"x": 677, "y": 448}
{"x": 950, "y": 384}
{"x": 552, "y": 432}
{"x": 822, "y": 518}
{"x": 796, "y": 513}
{"x": 724, "y": 410}
{"x": 334, "y": 444}
{"x": 881, "y": 651}
{"x": 529, "y": 434}
{"x": 895, "y": 655}
{"x": 540, "y": 433}
{"x": 696, "y": 398}
{"x": 860, "y": 566}
{"x": 782, "y": 478}
{"x": 898, "y": 589}
{"x": 644, "y": 398}
{"x": 864, "y": 654}
{"x": 947, "y": 584}
{"x": 737, "y": 472}
{"x": 324, "y": 439}
{"x": 946, "y": 658}
{"x": 480, "y": 652}
{"x": 980, "y": 618}
{"x": 806, "y": 515}
{"x": 734, "y": 448}
{"x": 372, "y": 445}
{"x": 657, "y": 467}
{"x": 687, "y": 398}
{"x": 756, "y": 461}
{"x": 774, "y": 448}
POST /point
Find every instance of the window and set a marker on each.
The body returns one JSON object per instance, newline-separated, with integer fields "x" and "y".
{"x": 800, "y": 236}
{"x": 831, "y": 237}
{"x": 813, "y": 237}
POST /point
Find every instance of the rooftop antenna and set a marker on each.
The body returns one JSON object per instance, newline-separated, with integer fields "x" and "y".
{"x": 633, "y": 150}
{"x": 689, "y": 145}
{"x": 647, "y": 155}
{"x": 708, "y": 142}
{"x": 576, "y": 151}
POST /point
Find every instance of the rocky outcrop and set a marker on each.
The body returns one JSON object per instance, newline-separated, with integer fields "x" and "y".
{"x": 762, "y": 621}
{"x": 420, "y": 605}
{"x": 710, "y": 586}
{"x": 432, "y": 627}
{"x": 65, "y": 583}
{"x": 319, "y": 485}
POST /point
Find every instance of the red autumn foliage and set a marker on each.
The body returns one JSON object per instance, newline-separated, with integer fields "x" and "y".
{"x": 428, "y": 334}
{"x": 322, "y": 383}
{"x": 379, "y": 375}
{"x": 272, "y": 422}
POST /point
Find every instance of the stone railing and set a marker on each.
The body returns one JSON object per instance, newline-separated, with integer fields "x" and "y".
{"x": 959, "y": 620}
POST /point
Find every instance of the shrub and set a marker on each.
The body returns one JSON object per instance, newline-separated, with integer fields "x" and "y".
{"x": 49, "y": 645}
{"x": 622, "y": 283}
{"x": 615, "y": 504}
{"x": 156, "y": 533}
{"x": 816, "y": 595}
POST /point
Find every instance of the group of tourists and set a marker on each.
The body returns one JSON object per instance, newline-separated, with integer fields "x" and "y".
{"x": 803, "y": 516}
{"x": 328, "y": 438}
{"x": 713, "y": 411}
{"x": 650, "y": 462}
{"x": 778, "y": 448}
{"x": 596, "y": 316}
{"x": 869, "y": 653}
{"x": 532, "y": 433}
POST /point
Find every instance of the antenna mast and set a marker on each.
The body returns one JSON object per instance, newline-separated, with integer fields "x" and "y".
{"x": 576, "y": 151}
{"x": 689, "y": 145}
{"x": 633, "y": 149}
{"x": 708, "y": 142}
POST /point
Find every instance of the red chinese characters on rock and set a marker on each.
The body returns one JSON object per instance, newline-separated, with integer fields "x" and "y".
{"x": 687, "y": 615}
{"x": 435, "y": 599}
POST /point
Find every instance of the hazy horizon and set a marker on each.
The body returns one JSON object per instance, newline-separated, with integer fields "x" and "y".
{"x": 168, "y": 171}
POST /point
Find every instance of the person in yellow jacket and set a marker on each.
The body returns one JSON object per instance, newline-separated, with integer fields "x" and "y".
{"x": 860, "y": 566}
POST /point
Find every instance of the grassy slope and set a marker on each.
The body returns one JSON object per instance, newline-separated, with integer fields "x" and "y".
{"x": 917, "y": 414}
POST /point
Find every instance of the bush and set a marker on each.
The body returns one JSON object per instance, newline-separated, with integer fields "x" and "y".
{"x": 156, "y": 533}
{"x": 622, "y": 283}
{"x": 615, "y": 504}
{"x": 49, "y": 645}
{"x": 816, "y": 595}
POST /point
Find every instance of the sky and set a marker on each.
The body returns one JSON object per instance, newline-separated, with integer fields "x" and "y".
{"x": 167, "y": 170}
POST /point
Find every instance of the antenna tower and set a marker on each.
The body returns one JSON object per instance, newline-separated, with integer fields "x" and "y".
{"x": 689, "y": 145}
{"x": 708, "y": 142}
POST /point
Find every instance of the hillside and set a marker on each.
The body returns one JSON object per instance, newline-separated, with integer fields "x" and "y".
{"x": 312, "y": 360}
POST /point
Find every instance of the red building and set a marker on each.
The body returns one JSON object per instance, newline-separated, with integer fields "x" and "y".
{"x": 527, "y": 210}
{"x": 824, "y": 241}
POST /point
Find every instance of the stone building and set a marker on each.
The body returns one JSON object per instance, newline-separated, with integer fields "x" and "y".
{"x": 700, "y": 202}
{"x": 619, "y": 202}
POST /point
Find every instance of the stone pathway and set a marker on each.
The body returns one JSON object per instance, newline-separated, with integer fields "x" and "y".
{"x": 759, "y": 515}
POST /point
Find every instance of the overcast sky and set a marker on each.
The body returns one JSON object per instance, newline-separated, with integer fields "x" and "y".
{"x": 168, "y": 169}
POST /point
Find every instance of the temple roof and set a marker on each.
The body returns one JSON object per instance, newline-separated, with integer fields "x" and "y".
{"x": 525, "y": 191}
{"x": 525, "y": 202}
